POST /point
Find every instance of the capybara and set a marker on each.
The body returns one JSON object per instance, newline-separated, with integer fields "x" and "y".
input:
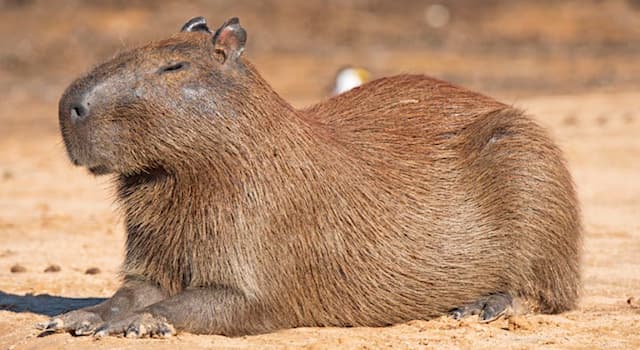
{"x": 405, "y": 198}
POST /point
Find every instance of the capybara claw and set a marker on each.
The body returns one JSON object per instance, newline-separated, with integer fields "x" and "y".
{"x": 52, "y": 325}
{"x": 85, "y": 329}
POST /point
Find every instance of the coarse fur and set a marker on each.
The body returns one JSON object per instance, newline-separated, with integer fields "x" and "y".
{"x": 401, "y": 199}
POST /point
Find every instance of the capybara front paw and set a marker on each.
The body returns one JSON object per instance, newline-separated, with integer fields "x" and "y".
{"x": 139, "y": 325}
{"x": 488, "y": 308}
{"x": 79, "y": 322}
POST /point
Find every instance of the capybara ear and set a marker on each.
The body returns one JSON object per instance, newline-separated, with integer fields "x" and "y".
{"x": 196, "y": 24}
{"x": 229, "y": 40}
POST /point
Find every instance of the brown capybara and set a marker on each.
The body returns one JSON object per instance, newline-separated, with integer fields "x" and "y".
{"x": 405, "y": 198}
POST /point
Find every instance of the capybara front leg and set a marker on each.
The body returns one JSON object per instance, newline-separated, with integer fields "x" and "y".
{"x": 205, "y": 311}
{"x": 133, "y": 295}
{"x": 488, "y": 308}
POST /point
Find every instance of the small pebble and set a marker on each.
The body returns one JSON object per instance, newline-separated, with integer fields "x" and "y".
{"x": 634, "y": 302}
{"x": 570, "y": 119}
{"x": 52, "y": 268}
{"x": 18, "y": 269}
{"x": 601, "y": 120}
{"x": 92, "y": 271}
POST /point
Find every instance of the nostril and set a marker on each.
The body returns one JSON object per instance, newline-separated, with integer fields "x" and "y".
{"x": 78, "y": 112}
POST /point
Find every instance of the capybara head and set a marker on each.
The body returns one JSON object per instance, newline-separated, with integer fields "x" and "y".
{"x": 125, "y": 115}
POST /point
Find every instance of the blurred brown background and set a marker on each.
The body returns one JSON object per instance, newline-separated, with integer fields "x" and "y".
{"x": 572, "y": 65}
{"x": 509, "y": 48}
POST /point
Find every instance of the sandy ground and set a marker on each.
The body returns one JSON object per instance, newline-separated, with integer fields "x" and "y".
{"x": 54, "y": 214}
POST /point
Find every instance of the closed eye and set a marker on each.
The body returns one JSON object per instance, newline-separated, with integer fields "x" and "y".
{"x": 173, "y": 67}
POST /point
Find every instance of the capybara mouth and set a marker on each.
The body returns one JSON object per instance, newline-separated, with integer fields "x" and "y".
{"x": 146, "y": 175}
{"x": 99, "y": 170}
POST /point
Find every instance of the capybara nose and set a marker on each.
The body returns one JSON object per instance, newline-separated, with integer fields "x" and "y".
{"x": 78, "y": 111}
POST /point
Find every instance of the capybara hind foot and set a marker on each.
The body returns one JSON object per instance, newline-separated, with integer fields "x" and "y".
{"x": 488, "y": 308}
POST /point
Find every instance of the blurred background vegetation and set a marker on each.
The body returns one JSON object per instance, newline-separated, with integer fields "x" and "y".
{"x": 507, "y": 48}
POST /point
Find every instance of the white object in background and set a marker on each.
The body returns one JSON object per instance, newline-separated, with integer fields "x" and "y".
{"x": 350, "y": 77}
{"x": 437, "y": 16}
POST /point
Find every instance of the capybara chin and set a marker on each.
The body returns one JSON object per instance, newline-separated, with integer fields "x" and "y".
{"x": 406, "y": 198}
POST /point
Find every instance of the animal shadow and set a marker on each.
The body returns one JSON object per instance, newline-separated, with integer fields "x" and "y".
{"x": 44, "y": 304}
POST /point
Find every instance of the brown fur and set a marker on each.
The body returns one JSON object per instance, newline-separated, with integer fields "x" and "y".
{"x": 399, "y": 200}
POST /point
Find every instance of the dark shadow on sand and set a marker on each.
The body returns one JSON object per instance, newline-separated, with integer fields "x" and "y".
{"x": 44, "y": 304}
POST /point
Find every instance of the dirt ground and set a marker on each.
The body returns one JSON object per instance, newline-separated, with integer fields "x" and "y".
{"x": 571, "y": 65}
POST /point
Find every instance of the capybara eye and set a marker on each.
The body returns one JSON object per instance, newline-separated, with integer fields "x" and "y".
{"x": 173, "y": 67}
